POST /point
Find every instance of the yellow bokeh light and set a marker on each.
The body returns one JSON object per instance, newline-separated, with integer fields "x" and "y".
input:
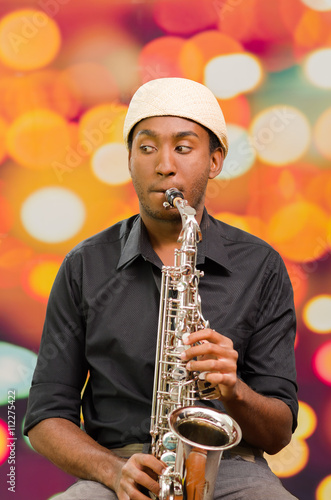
{"x": 299, "y": 231}
{"x": 38, "y": 138}
{"x": 323, "y": 491}
{"x": 316, "y": 68}
{"x": 307, "y": 421}
{"x": 316, "y": 314}
{"x": 29, "y": 39}
{"x": 290, "y": 460}
{"x": 110, "y": 164}
{"x": 97, "y": 126}
{"x": 39, "y": 276}
{"x": 322, "y": 133}
{"x": 232, "y": 74}
{"x": 275, "y": 133}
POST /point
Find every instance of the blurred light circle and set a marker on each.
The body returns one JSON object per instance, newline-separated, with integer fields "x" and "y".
{"x": 317, "y": 314}
{"x": 13, "y": 256}
{"x": 92, "y": 83}
{"x": 53, "y": 214}
{"x": 299, "y": 231}
{"x": 322, "y": 363}
{"x": 307, "y": 421}
{"x": 110, "y": 164}
{"x": 290, "y": 460}
{"x": 275, "y": 133}
{"x": 159, "y": 58}
{"x": 323, "y": 491}
{"x": 29, "y": 39}
{"x": 16, "y": 369}
{"x": 45, "y": 89}
{"x": 241, "y": 155}
{"x": 38, "y": 276}
{"x": 38, "y": 138}
{"x": 201, "y": 48}
{"x": 229, "y": 75}
{"x": 316, "y": 68}
{"x": 236, "y": 110}
{"x": 321, "y": 134}
{"x": 322, "y": 5}
{"x": 98, "y": 125}
{"x": 169, "y": 15}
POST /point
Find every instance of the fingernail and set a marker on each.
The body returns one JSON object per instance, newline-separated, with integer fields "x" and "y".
{"x": 183, "y": 355}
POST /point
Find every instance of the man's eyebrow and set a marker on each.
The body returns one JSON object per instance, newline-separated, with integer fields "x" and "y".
{"x": 177, "y": 135}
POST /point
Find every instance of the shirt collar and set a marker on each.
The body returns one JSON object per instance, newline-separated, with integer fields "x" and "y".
{"x": 211, "y": 247}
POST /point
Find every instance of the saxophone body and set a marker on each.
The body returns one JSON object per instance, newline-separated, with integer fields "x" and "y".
{"x": 190, "y": 439}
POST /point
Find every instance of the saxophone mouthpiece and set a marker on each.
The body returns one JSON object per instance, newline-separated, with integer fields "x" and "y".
{"x": 171, "y": 195}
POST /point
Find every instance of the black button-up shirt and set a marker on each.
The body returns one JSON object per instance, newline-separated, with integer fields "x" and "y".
{"x": 102, "y": 318}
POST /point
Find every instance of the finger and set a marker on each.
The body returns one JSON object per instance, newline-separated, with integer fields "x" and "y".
{"x": 206, "y": 334}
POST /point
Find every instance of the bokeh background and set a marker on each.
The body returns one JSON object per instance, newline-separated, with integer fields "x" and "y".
{"x": 68, "y": 69}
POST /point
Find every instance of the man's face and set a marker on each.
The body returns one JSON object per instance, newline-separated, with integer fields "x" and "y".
{"x": 171, "y": 152}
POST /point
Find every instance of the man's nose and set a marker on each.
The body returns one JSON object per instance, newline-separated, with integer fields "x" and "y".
{"x": 165, "y": 164}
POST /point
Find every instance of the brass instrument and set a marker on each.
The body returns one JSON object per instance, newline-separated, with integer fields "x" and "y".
{"x": 189, "y": 439}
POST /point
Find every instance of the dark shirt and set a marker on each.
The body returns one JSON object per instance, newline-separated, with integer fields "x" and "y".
{"x": 102, "y": 318}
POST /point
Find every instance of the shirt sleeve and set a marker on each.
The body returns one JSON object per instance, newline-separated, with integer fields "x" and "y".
{"x": 61, "y": 369}
{"x": 270, "y": 359}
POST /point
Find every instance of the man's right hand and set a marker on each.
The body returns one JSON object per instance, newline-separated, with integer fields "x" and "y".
{"x": 140, "y": 470}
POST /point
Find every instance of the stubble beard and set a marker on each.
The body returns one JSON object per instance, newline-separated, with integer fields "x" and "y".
{"x": 196, "y": 198}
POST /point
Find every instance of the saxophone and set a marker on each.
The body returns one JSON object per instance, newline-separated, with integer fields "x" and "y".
{"x": 189, "y": 439}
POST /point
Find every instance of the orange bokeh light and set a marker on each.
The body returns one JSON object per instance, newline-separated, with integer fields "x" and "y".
{"x": 38, "y": 138}
{"x": 159, "y": 58}
{"x": 201, "y": 48}
{"x": 13, "y": 256}
{"x": 40, "y": 89}
{"x": 91, "y": 83}
{"x": 29, "y": 39}
{"x": 39, "y": 274}
{"x": 299, "y": 231}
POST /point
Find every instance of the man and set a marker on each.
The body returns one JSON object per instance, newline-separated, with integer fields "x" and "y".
{"x": 103, "y": 309}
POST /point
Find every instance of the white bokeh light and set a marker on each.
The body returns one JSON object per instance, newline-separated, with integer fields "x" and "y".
{"x": 241, "y": 155}
{"x": 232, "y": 74}
{"x": 110, "y": 164}
{"x": 317, "y": 315}
{"x": 321, "y": 5}
{"x": 53, "y": 214}
{"x": 317, "y": 68}
{"x": 280, "y": 134}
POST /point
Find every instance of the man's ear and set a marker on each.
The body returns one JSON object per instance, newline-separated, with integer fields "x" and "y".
{"x": 216, "y": 163}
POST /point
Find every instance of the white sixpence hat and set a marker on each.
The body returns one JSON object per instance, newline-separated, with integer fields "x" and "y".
{"x": 177, "y": 97}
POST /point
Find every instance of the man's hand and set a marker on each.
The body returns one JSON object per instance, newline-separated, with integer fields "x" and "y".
{"x": 140, "y": 470}
{"x": 216, "y": 357}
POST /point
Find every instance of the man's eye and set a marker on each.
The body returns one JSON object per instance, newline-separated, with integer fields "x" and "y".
{"x": 146, "y": 149}
{"x": 183, "y": 149}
